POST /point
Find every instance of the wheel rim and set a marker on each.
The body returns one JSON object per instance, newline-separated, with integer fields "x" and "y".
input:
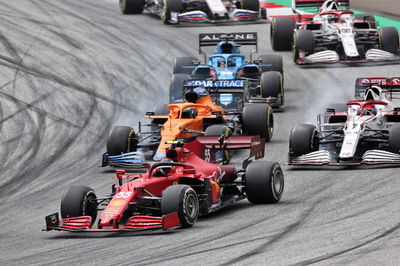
{"x": 277, "y": 183}
{"x": 191, "y": 206}
{"x": 164, "y": 16}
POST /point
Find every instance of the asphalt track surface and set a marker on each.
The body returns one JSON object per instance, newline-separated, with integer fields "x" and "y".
{"x": 69, "y": 70}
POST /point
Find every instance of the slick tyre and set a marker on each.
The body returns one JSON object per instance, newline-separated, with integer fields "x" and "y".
{"x": 271, "y": 63}
{"x": 303, "y": 139}
{"x": 183, "y": 200}
{"x": 219, "y": 130}
{"x": 389, "y": 39}
{"x": 258, "y": 119}
{"x": 121, "y": 140}
{"x": 131, "y": 6}
{"x": 168, "y": 7}
{"x": 394, "y": 138}
{"x": 271, "y": 85}
{"x": 176, "y": 86}
{"x": 253, "y": 5}
{"x": 303, "y": 40}
{"x": 79, "y": 201}
{"x": 282, "y": 29}
{"x": 264, "y": 182}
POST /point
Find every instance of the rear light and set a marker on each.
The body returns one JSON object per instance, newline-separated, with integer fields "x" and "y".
{"x": 213, "y": 74}
{"x": 240, "y": 72}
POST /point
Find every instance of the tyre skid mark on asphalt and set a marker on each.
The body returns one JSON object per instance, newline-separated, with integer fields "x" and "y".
{"x": 344, "y": 251}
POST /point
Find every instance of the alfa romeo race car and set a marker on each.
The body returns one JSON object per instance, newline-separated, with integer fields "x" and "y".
{"x": 174, "y": 193}
{"x": 364, "y": 131}
{"x": 195, "y": 11}
{"x": 198, "y": 115}
{"x": 334, "y": 35}
{"x": 264, "y": 75}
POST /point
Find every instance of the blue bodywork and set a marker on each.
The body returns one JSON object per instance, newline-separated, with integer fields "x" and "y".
{"x": 226, "y": 61}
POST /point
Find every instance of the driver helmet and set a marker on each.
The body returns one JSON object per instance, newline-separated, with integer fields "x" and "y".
{"x": 221, "y": 62}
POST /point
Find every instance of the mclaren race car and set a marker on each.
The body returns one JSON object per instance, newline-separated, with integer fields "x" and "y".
{"x": 198, "y": 115}
{"x": 173, "y": 193}
{"x": 196, "y": 11}
{"x": 334, "y": 35}
{"x": 364, "y": 131}
{"x": 264, "y": 75}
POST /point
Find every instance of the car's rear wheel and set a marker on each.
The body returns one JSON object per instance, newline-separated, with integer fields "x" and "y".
{"x": 282, "y": 29}
{"x": 176, "y": 86}
{"x": 79, "y": 201}
{"x": 168, "y": 7}
{"x": 271, "y": 85}
{"x": 394, "y": 138}
{"x": 258, "y": 119}
{"x": 303, "y": 139}
{"x": 271, "y": 62}
{"x": 219, "y": 130}
{"x": 389, "y": 39}
{"x": 264, "y": 182}
{"x": 183, "y": 200}
{"x": 122, "y": 139}
{"x": 303, "y": 40}
{"x": 253, "y": 5}
{"x": 131, "y": 6}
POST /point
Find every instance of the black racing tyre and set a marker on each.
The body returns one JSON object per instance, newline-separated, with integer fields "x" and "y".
{"x": 282, "y": 29}
{"x": 271, "y": 62}
{"x": 367, "y": 17}
{"x": 183, "y": 65}
{"x": 176, "y": 86}
{"x": 131, "y": 6}
{"x": 258, "y": 119}
{"x": 303, "y": 40}
{"x": 271, "y": 84}
{"x": 253, "y": 5}
{"x": 79, "y": 201}
{"x": 264, "y": 182}
{"x": 394, "y": 138}
{"x": 168, "y": 7}
{"x": 303, "y": 139}
{"x": 218, "y": 130}
{"x": 122, "y": 139}
{"x": 389, "y": 39}
{"x": 183, "y": 200}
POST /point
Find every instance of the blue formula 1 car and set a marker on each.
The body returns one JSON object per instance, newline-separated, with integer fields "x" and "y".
{"x": 264, "y": 74}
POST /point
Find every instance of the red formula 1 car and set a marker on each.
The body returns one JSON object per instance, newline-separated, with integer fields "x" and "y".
{"x": 173, "y": 193}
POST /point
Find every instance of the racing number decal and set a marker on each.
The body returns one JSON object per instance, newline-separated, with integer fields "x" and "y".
{"x": 123, "y": 195}
{"x": 207, "y": 155}
{"x": 345, "y": 30}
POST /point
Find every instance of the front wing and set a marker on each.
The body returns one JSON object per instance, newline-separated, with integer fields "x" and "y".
{"x": 134, "y": 223}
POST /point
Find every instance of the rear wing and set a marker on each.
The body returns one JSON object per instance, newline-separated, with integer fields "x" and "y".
{"x": 242, "y": 38}
{"x": 316, "y": 3}
{"x": 229, "y": 94}
{"x": 388, "y": 85}
{"x": 210, "y": 145}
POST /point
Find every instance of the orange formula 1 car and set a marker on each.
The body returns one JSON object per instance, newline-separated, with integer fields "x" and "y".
{"x": 198, "y": 115}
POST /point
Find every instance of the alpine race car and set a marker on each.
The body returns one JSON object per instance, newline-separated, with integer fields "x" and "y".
{"x": 198, "y": 115}
{"x": 174, "y": 193}
{"x": 264, "y": 75}
{"x": 334, "y": 35}
{"x": 364, "y": 131}
{"x": 196, "y": 11}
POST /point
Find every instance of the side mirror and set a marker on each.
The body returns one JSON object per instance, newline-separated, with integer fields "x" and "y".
{"x": 257, "y": 61}
{"x": 330, "y": 110}
{"x": 149, "y": 113}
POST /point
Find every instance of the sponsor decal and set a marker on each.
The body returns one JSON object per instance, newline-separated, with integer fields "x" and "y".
{"x": 226, "y": 99}
{"x": 378, "y": 81}
{"x": 117, "y": 203}
{"x": 235, "y": 36}
{"x": 216, "y": 84}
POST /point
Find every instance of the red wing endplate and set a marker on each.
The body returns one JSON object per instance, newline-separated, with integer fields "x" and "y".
{"x": 135, "y": 223}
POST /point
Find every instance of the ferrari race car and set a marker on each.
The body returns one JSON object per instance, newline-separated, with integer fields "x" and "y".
{"x": 364, "y": 131}
{"x": 195, "y": 11}
{"x": 334, "y": 35}
{"x": 264, "y": 75}
{"x": 174, "y": 193}
{"x": 199, "y": 115}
